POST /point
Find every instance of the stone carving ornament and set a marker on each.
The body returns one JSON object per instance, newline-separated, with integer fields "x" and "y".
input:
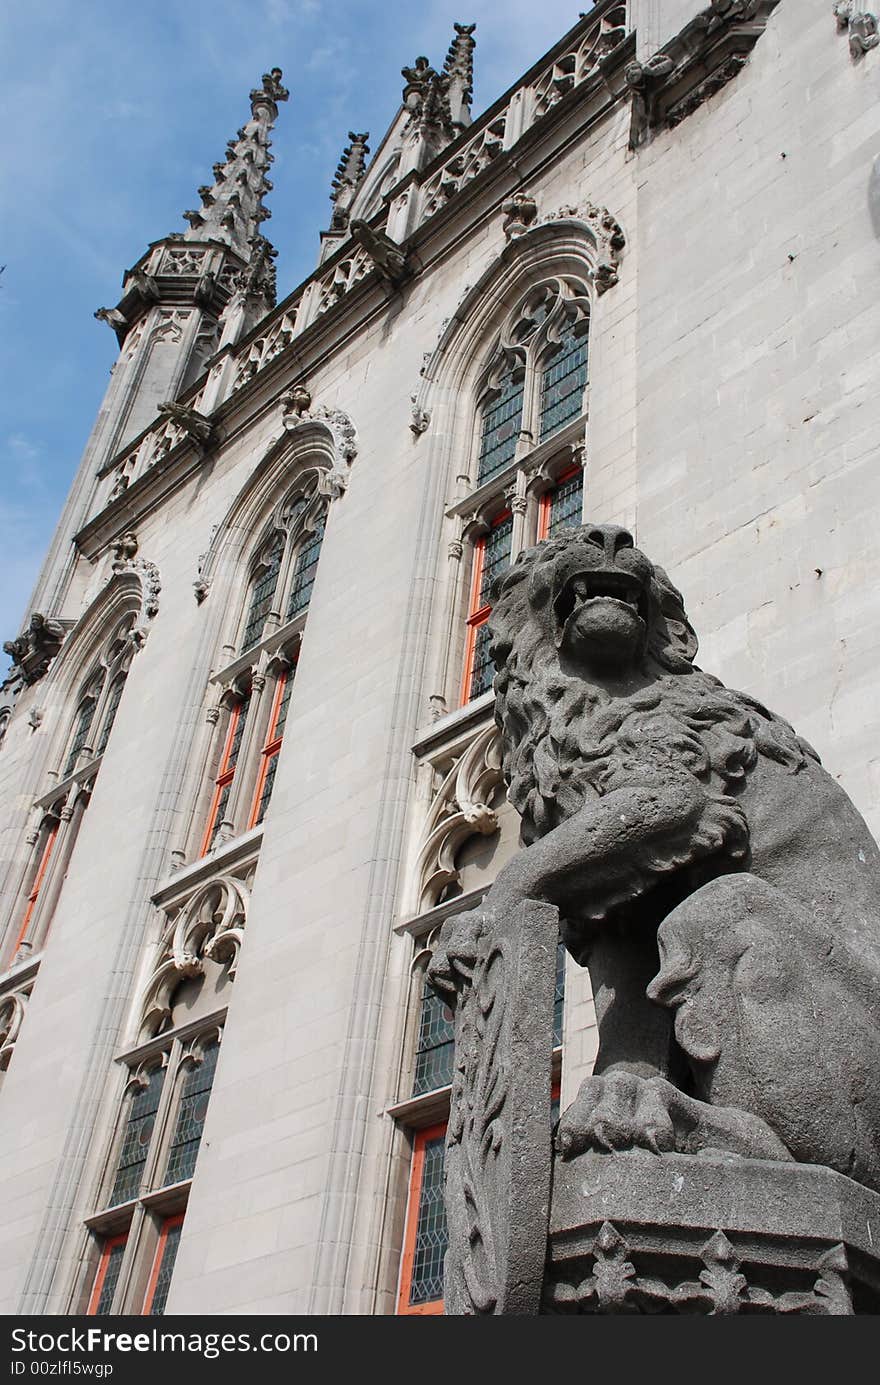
{"x": 861, "y": 26}
{"x": 718, "y": 883}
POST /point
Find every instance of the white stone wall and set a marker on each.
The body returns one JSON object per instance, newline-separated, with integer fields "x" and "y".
{"x": 758, "y": 334}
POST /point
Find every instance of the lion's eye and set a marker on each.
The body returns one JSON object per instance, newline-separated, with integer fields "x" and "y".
{"x": 579, "y": 587}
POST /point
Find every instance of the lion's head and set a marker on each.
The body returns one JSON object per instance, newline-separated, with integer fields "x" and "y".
{"x": 598, "y": 600}
{"x": 592, "y": 645}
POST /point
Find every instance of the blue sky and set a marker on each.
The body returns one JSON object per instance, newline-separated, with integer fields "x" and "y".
{"x": 115, "y": 112}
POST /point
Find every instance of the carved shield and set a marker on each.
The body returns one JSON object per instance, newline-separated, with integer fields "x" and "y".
{"x": 498, "y": 1143}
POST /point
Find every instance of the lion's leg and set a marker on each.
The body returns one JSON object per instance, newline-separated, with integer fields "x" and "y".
{"x": 634, "y": 1035}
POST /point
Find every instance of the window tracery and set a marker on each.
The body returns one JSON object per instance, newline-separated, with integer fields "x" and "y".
{"x": 169, "y": 1066}
{"x": 532, "y": 398}
{"x": 256, "y": 687}
{"x": 59, "y": 812}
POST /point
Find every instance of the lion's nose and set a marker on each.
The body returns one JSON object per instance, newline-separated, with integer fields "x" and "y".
{"x": 611, "y": 539}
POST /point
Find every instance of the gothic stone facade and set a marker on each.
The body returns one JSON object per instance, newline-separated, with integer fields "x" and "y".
{"x": 248, "y": 760}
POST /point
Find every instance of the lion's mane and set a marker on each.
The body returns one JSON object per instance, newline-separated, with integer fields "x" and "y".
{"x": 565, "y": 740}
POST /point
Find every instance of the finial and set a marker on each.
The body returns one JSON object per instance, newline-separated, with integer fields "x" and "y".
{"x": 346, "y": 179}
{"x": 417, "y": 79}
{"x": 270, "y": 93}
{"x": 232, "y": 209}
{"x": 459, "y": 68}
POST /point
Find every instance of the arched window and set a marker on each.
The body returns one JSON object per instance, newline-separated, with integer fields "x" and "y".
{"x": 528, "y": 444}
{"x": 536, "y": 378}
{"x": 564, "y": 377}
{"x": 169, "y": 1066}
{"x": 226, "y": 769}
{"x": 305, "y": 566}
{"x": 60, "y": 810}
{"x": 85, "y": 715}
{"x": 111, "y": 707}
{"x": 100, "y": 697}
{"x": 263, "y": 584}
{"x": 283, "y": 574}
{"x": 254, "y": 690}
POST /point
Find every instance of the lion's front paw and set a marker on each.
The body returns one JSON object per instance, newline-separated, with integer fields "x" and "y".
{"x": 616, "y": 1112}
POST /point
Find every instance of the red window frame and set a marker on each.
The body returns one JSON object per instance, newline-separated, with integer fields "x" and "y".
{"x": 167, "y": 1225}
{"x": 422, "y": 1137}
{"x": 34, "y": 894}
{"x": 225, "y": 776}
{"x": 477, "y": 614}
{"x": 101, "y": 1273}
{"x": 271, "y": 746}
{"x": 546, "y": 505}
{"x": 404, "y": 1307}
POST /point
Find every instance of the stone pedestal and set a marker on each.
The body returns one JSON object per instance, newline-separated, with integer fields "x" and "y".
{"x": 673, "y": 1233}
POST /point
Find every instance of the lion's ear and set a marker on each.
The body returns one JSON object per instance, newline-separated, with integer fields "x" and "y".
{"x": 675, "y": 643}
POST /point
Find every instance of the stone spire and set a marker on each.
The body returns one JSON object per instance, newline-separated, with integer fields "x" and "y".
{"x": 232, "y": 210}
{"x": 347, "y": 178}
{"x": 459, "y": 68}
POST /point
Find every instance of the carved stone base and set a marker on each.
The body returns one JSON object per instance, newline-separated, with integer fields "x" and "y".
{"x": 674, "y": 1233}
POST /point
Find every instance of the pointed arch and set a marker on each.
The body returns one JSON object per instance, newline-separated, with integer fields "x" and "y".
{"x": 576, "y": 246}
{"x": 314, "y": 453}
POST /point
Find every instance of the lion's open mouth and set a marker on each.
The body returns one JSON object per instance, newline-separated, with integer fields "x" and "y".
{"x": 605, "y": 585}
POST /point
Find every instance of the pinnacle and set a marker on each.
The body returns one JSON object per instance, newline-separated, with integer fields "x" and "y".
{"x": 232, "y": 210}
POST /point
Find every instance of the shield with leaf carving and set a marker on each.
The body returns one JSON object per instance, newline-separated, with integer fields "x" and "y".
{"x": 498, "y": 1143}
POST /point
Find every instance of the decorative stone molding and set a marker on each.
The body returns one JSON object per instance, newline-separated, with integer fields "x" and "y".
{"x": 702, "y": 58}
{"x": 614, "y": 1285}
{"x": 296, "y": 414}
{"x": 860, "y": 26}
{"x": 208, "y": 927}
{"x": 13, "y": 1007}
{"x": 125, "y": 548}
{"x": 460, "y": 809}
{"x": 645, "y": 1233}
{"x": 519, "y": 212}
{"x": 151, "y": 583}
{"x": 421, "y": 417}
{"x": 297, "y": 402}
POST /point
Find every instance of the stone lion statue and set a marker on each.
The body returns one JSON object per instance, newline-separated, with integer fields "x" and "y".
{"x": 719, "y": 885}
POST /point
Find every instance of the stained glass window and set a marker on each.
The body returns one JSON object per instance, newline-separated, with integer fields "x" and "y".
{"x": 163, "y": 1268}
{"x": 436, "y": 1044}
{"x": 144, "y": 1103}
{"x": 262, "y": 593}
{"x": 563, "y": 505}
{"x": 85, "y": 717}
{"x": 431, "y": 1239}
{"x": 563, "y": 381}
{"x": 559, "y": 995}
{"x": 492, "y": 556}
{"x": 194, "y": 1096}
{"x": 107, "y": 1276}
{"x": 272, "y": 747}
{"x": 502, "y": 420}
{"x": 110, "y": 711}
{"x": 226, "y": 772}
{"x": 305, "y": 568}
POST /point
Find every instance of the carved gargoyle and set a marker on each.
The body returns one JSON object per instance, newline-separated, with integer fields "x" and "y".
{"x": 194, "y": 424}
{"x": 717, "y": 882}
{"x": 389, "y": 258}
{"x": 34, "y": 649}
